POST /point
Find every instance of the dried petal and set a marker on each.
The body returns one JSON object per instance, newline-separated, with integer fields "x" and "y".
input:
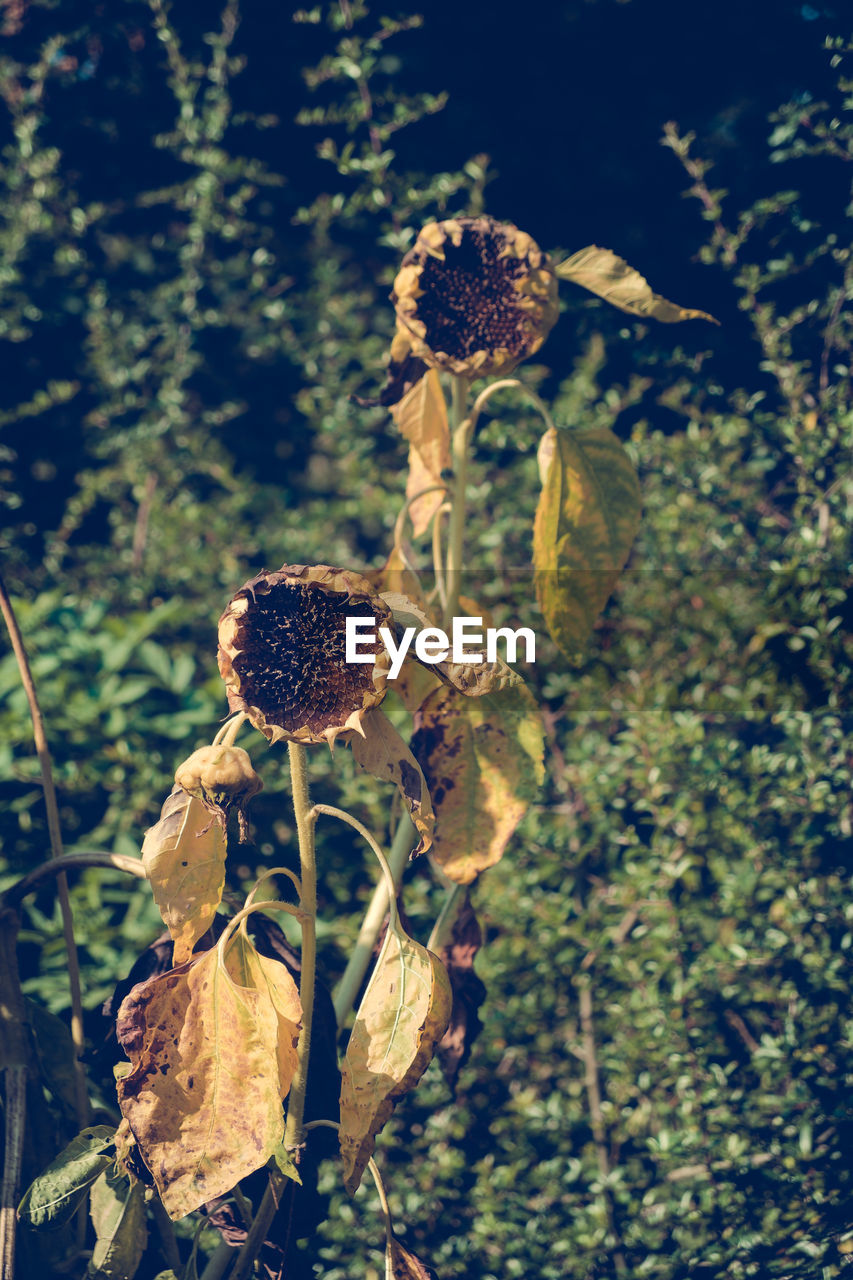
{"x": 282, "y": 653}
{"x": 474, "y": 296}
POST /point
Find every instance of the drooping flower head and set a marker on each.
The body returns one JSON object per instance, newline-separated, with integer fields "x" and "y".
{"x": 473, "y": 296}
{"x": 282, "y": 652}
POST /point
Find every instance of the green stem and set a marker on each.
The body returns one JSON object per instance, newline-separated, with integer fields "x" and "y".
{"x": 166, "y": 1232}
{"x": 460, "y": 434}
{"x": 377, "y": 1178}
{"x": 390, "y": 887}
{"x": 308, "y": 877}
{"x": 443, "y": 925}
{"x": 81, "y": 1095}
{"x": 353, "y": 977}
{"x": 259, "y": 1229}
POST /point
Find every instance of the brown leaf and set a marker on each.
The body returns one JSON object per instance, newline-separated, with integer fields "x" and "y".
{"x": 483, "y": 761}
{"x": 184, "y": 859}
{"x": 401, "y": 1018}
{"x": 609, "y": 276}
{"x": 402, "y": 1264}
{"x": 203, "y": 1097}
{"x": 469, "y": 991}
{"x": 586, "y": 522}
{"x": 422, "y": 418}
{"x": 472, "y": 678}
{"x": 383, "y": 753}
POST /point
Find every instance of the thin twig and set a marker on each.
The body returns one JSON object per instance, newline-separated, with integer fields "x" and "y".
{"x": 43, "y": 753}
{"x": 596, "y": 1115}
{"x": 120, "y": 861}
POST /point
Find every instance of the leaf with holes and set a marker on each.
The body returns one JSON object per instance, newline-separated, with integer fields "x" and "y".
{"x": 383, "y": 753}
{"x": 210, "y": 1047}
{"x": 603, "y": 273}
{"x": 586, "y": 522}
{"x": 483, "y": 762}
{"x": 401, "y": 1018}
{"x": 422, "y": 418}
{"x": 184, "y": 858}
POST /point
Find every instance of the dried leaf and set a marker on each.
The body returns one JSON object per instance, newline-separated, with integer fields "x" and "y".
{"x": 422, "y": 418}
{"x": 383, "y": 753}
{"x": 401, "y": 1018}
{"x": 469, "y": 991}
{"x": 118, "y": 1215}
{"x": 483, "y": 761}
{"x": 184, "y": 858}
{"x": 602, "y": 272}
{"x": 204, "y": 1093}
{"x": 402, "y": 1264}
{"x": 472, "y": 678}
{"x": 586, "y": 522}
{"x": 55, "y": 1194}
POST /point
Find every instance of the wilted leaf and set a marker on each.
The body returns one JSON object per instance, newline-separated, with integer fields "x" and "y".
{"x": 117, "y": 1210}
{"x": 602, "y": 272}
{"x": 263, "y": 974}
{"x": 469, "y": 991}
{"x": 204, "y": 1094}
{"x": 383, "y": 753}
{"x": 422, "y": 418}
{"x": 483, "y": 761}
{"x": 401, "y": 1264}
{"x": 55, "y": 1194}
{"x": 395, "y": 575}
{"x": 184, "y": 858}
{"x": 472, "y": 677}
{"x": 586, "y": 522}
{"x": 401, "y": 1018}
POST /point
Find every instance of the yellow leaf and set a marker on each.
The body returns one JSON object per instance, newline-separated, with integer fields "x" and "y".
{"x": 184, "y": 858}
{"x": 402, "y": 1264}
{"x": 383, "y": 753}
{"x": 602, "y": 272}
{"x": 402, "y": 1017}
{"x": 586, "y": 522}
{"x": 203, "y": 1098}
{"x": 422, "y": 418}
{"x": 483, "y": 761}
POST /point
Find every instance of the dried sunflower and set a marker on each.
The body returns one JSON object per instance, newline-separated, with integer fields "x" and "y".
{"x": 473, "y": 296}
{"x": 282, "y": 653}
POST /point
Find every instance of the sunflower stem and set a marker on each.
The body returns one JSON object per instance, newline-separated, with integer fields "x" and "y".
{"x": 308, "y": 877}
{"x": 349, "y": 985}
{"x": 460, "y": 435}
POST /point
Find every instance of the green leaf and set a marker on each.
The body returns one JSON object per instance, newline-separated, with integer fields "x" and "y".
{"x": 603, "y": 273}
{"x": 586, "y": 521}
{"x": 55, "y": 1194}
{"x": 55, "y": 1053}
{"x": 483, "y": 762}
{"x": 401, "y": 1018}
{"x": 117, "y": 1210}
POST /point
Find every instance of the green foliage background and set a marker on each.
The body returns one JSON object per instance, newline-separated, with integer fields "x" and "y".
{"x": 662, "y": 1086}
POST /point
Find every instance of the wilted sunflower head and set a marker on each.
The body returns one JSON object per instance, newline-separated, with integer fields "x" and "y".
{"x": 473, "y": 296}
{"x": 282, "y": 653}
